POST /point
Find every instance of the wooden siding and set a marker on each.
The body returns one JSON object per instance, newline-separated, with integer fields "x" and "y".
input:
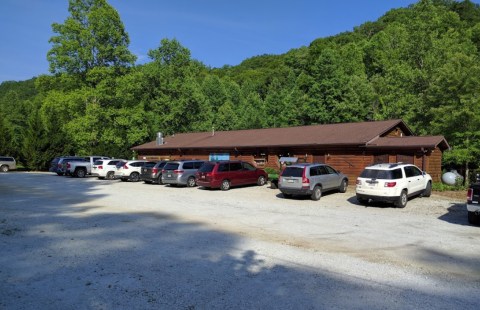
{"x": 350, "y": 161}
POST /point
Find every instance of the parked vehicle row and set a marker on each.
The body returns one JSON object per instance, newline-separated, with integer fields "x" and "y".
{"x": 391, "y": 183}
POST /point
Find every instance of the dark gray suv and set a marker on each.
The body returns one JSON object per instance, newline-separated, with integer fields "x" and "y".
{"x": 311, "y": 179}
{"x": 152, "y": 172}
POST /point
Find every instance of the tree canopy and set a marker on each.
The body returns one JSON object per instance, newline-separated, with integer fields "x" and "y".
{"x": 419, "y": 63}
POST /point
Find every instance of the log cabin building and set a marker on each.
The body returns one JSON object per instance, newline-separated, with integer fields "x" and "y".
{"x": 348, "y": 147}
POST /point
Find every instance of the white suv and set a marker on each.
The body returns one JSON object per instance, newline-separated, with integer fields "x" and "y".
{"x": 129, "y": 170}
{"x": 105, "y": 168}
{"x": 393, "y": 183}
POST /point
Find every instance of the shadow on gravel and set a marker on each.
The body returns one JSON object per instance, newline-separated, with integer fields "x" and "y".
{"x": 57, "y": 257}
{"x": 457, "y": 214}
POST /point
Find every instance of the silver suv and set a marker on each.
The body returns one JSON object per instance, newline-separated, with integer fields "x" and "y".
{"x": 181, "y": 172}
{"x": 311, "y": 179}
{"x": 393, "y": 183}
{"x": 7, "y": 163}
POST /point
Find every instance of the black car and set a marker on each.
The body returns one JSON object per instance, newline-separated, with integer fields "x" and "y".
{"x": 152, "y": 172}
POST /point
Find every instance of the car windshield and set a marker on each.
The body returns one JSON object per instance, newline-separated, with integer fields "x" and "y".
{"x": 206, "y": 167}
{"x": 171, "y": 166}
{"x": 382, "y": 174}
{"x": 293, "y": 172}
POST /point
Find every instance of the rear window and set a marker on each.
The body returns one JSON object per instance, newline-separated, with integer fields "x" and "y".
{"x": 98, "y": 162}
{"x": 382, "y": 174}
{"x": 161, "y": 164}
{"x": 149, "y": 164}
{"x": 293, "y": 172}
{"x": 171, "y": 166}
{"x": 120, "y": 164}
{"x": 206, "y": 167}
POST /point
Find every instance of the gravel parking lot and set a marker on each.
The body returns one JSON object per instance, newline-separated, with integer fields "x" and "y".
{"x": 93, "y": 244}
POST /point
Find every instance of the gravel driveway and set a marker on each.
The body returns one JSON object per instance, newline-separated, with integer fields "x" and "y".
{"x": 71, "y": 243}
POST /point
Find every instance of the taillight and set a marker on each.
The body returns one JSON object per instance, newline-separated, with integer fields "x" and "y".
{"x": 305, "y": 180}
{"x": 390, "y": 184}
{"x": 470, "y": 194}
{"x": 100, "y": 167}
{"x": 155, "y": 170}
{"x": 59, "y": 165}
{"x": 359, "y": 182}
{"x": 68, "y": 165}
{"x": 177, "y": 171}
{"x": 163, "y": 171}
{"x": 125, "y": 167}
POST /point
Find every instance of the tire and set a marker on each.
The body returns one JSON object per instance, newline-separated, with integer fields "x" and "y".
{"x": 110, "y": 175}
{"x": 191, "y": 182}
{"x": 473, "y": 218}
{"x": 134, "y": 177}
{"x": 80, "y": 173}
{"x": 274, "y": 184}
{"x": 343, "y": 186}
{"x": 4, "y": 168}
{"x": 123, "y": 180}
{"x": 428, "y": 190}
{"x": 147, "y": 182}
{"x": 101, "y": 178}
{"x": 225, "y": 186}
{"x": 159, "y": 180}
{"x": 317, "y": 193}
{"x": 287, "y": 196}
{"x": 402, "y": 200}
{"x": 362, "y": 201}
{"x": 261, "y": 180}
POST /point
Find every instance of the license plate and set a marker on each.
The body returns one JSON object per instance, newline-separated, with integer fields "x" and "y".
{"x": 169, "y": 175}
{"x": 291, "y": 181}
{"x": 203, "y": 177}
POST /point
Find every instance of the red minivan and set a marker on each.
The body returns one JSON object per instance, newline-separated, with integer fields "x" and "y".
{"x": 225, "y": 174}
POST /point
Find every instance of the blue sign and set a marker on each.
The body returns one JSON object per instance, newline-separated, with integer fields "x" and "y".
{"x": 219, "y": 156}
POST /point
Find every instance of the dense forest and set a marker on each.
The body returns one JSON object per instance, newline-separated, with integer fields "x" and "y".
{"x": 419, "y": 63}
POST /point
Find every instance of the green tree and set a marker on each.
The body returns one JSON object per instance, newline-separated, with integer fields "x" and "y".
{"x": 92, "y": 36}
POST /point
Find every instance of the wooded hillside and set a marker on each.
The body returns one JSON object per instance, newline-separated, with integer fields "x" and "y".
{"x": 420, "y": 64}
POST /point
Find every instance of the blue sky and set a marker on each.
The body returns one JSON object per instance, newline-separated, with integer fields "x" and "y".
{"x": 217, "y": 32}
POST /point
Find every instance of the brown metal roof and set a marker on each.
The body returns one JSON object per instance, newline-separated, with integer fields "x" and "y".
{"x": 321, "y": 135}
{"x": 428, "y": 142}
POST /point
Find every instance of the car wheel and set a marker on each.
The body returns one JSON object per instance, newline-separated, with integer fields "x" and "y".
{"x": 317, "y": 193}
{"x": 159, "y": 180}
{"x": 4, "y": 168}
{"x": 274, "y": 184}
{"x": 428, "y": 190}
{"x": 147, "y": 182}
{"x": 287, "y": 195}
{"x": 80, "y": 173}
{"x": 191, "y": 182}
{"x": 225, "y": 186}
{"x": 110, "y": 175}
{"x": 473, "y": 218}
{"x": 261, "y": 180}
{"x": 402, "y": 200}
{"x": 101, "y": 178}
{"x": 123, "y": 180}
{"x": 343, "y": 186}
{"x": 362, "y": 201}
{"x": 135, "y": 177}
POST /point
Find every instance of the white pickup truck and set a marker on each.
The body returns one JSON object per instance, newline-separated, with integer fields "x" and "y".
{"x": 80, "y": 169}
